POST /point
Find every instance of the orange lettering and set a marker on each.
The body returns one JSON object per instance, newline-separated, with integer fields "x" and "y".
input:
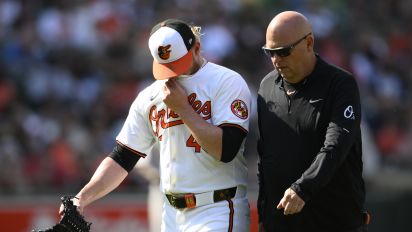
{"x": 172, "y": 114}
{"x": 161, "y": 118}
{"x": 191, "y": 142}
{"x": 191, "y": 98}
{"x": 206, "y": 108}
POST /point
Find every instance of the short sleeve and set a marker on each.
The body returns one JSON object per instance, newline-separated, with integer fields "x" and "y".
{"x": 136, "y": 133}
{"x": 232, "y": 103}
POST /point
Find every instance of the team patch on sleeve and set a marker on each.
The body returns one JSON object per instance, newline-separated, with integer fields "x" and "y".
{"x": 239, "y": 109}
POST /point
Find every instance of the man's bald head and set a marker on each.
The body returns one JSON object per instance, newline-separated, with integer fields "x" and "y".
{"x": 287, "y": 26}
{"x": 289, "y": 42}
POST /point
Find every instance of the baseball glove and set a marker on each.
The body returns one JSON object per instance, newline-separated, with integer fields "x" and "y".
{"x": 72, "y": 220}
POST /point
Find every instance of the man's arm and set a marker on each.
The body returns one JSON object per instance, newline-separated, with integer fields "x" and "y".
{"x": 207, "y": 135}
{"x": 106, "y": 178}
{"x": 342, "y": 132}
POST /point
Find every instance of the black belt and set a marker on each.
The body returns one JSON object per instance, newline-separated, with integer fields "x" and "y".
{"x": 188, "y": 200}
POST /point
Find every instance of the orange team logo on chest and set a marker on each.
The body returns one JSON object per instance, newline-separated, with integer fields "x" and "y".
{"x": 164, "y": 52}
{"x": 239, "y": 109}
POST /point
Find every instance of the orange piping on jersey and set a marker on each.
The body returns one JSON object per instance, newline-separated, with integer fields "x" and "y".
{"x": 234, "y": 125}
{"x": 232, "y": 210}
{"x": 130, "y": 149}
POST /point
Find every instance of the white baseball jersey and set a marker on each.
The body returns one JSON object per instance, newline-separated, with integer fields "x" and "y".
{"x": 222, "y": 98}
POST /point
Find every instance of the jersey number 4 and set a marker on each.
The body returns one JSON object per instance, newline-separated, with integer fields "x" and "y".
{"x": 191, "y": 142}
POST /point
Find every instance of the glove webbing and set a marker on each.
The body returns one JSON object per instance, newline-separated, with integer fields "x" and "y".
{"x": 72, "y": 220}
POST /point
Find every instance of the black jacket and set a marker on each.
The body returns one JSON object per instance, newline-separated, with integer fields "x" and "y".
{"x": 312, "y": 143}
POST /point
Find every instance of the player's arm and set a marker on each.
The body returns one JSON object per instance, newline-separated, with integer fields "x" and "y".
{"x": 220, "y": 142}
{"x": 110, "y": 173}
{"x": 207, "y": 135}
{"x": 107, "y": 177}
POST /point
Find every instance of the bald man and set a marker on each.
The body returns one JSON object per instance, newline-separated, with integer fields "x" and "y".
{"x": 310, "y": 150}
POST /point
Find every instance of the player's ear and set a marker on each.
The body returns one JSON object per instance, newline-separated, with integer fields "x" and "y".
{"x": 196, "y": 48}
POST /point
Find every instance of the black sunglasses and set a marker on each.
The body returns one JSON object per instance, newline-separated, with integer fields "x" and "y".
{"x": 283, "y": 51}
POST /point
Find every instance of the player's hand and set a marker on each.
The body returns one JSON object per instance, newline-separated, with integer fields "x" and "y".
{"x": 291, "y": 203}
{"x": 76, "y": 202}
{"x": 175, "y": 96}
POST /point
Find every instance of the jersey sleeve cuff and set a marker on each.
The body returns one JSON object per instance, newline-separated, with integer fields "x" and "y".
{"x": 130, "y": 149}
{"x": 298, "y": 190}
{"x": 233, "y": 125}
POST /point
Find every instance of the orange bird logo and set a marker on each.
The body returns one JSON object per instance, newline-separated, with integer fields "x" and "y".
{"x": 164, "y": 52}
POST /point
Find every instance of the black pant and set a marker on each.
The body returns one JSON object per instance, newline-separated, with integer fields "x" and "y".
{"x": 363, "y": 228}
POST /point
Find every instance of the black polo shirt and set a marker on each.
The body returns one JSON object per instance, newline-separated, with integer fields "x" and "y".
{"x": 311, "y": 141}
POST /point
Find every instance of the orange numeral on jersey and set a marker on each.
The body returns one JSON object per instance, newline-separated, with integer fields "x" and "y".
{"x": 191, "y": 142}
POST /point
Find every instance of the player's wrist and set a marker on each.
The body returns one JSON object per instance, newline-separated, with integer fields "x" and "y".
{"x": 80, "y": 201}
{"x": 187, "y": 113}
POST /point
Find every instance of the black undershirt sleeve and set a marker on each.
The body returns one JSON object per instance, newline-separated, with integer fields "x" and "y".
{"x": 124, "y": 157}
{"x": 231, "y": 140}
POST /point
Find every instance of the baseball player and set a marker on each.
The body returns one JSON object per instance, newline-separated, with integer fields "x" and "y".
{"x": 198, "y": 113}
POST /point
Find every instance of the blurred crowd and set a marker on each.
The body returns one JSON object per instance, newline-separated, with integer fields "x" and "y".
{"x": 69, "y": 70}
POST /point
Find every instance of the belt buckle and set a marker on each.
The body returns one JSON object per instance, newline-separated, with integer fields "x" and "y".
{"x": 224, "y": 194}
{"x": 190, "y": 200}
{"x": 172, "y": 200}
